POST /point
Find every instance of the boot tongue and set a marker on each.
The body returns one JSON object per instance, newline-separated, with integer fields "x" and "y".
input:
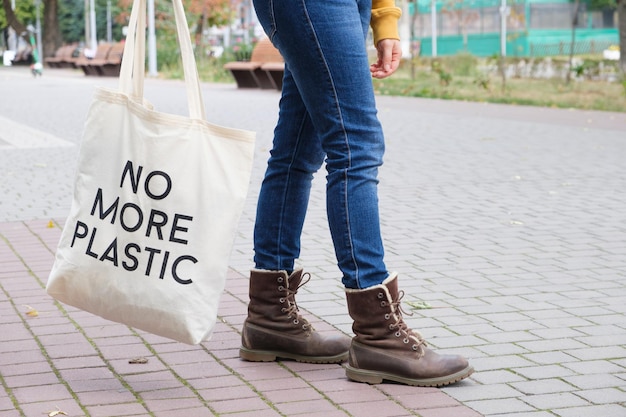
{"x": 392, "y": 286}
{"x": 293, "y": 281}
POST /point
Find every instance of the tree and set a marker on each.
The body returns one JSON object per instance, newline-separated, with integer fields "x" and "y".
{"x": 11, "y": 18}
{"x": 71, "y": 20}
{"x": 571, "y": 47}
{"x": 414, "y": 9}
{"x": 25, "y": 15}
{"x": 620, "y": 6}
{"x": 201, "y": 14}
{"x": 464, "y": 16}
{"x": 209, "y": 13}
{"x": 51, "y": 36}
{"x": 621, "y": 16}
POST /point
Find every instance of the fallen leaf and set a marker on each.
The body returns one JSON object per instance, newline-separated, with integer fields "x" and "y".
{"x": 419, "y": 305}
{"x": 31, "y": 312}
{"x": 139, "y": 360}
{"x": 57, "y": 412}
{"x": 50, "y": 224}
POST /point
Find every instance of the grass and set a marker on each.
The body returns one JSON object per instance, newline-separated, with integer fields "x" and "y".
{"x": 209, "y": 70}
{"x": 459, "y": 78}
{"x": 473, "y": 85}
{"x": 588, "y": 95}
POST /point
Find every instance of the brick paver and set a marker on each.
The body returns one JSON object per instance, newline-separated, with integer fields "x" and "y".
{"x": 505, "y": 223}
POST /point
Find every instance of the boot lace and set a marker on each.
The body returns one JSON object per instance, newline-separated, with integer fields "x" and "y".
{"x": 402, "y": 329}
{"x": 292, "y": 309}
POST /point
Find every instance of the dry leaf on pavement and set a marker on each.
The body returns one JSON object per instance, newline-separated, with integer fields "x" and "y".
{"x": 31, "y": 312}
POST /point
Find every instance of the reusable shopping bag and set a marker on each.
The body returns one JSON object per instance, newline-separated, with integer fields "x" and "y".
{"x": 157, "y": 199}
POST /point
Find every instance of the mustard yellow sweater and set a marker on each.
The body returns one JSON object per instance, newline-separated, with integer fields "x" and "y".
{"x": 384, "y": 21}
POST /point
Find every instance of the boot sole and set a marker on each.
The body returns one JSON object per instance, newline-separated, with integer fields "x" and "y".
{"x": 375, "y": 377}
{"x": 252, "y": 355}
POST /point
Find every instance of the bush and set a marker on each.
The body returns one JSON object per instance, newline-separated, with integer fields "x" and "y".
{"x": 445, "y": 78}
{"x": 210, "y": 69}
{"x": 240, "y": 50}
{"x": 463, "y": 64}
{"x": 168, "y": 53}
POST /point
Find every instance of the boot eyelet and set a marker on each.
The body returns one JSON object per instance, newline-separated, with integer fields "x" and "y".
{"x": 289, "y": 317}
{"x": 392, "y": 326}
{"x": 398, "y": 334}
{"x": 387, "y": 316}
{"x": 304, "y": 327}
{"x": 406, "y": 341}
{"x": 280, "y": 279}
{"x": 282, "y": 300}
{"x": 380, "y": 295}
{"x": 281, "y": 288}
{"x": 283, "y": 310}
{"x": 414, "y": 347}
{"x": 383, "y": 303}
{"x": 296, "y": 321}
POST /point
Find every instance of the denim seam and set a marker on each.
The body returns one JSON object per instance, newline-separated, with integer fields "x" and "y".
{"x": 284, "y": 201}
{"x": 273, "y": 21}
{"x": 347, "y": 142}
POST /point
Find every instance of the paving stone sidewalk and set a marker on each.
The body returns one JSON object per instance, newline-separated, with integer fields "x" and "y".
{"x": 506, "y": 224}
{"x": 68, "y": 360}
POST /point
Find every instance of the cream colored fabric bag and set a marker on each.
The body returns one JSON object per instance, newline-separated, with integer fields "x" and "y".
{"x": 157, "y": 200}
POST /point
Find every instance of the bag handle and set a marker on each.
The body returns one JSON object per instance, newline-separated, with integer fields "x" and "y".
{"x": 132, "y": 71}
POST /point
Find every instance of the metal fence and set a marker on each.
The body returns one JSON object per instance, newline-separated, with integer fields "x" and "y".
{"x": 563, "y": 48}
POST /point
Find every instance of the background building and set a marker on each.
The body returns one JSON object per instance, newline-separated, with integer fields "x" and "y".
{"x": 533, "y": 27}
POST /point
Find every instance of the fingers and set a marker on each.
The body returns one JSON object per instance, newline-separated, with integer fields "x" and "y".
{"x": 384, "y": 53}
{"x": 389, "y": 54}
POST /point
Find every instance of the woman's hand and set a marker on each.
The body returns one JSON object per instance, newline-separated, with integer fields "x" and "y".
{"x": 389, "y": 54}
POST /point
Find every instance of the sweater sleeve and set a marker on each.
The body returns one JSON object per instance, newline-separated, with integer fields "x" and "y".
{"x": 384, "y": 20}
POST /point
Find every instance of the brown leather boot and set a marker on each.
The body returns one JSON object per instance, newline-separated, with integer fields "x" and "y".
{"x": 384, "y": 348}
{"x": 274, "y": 327}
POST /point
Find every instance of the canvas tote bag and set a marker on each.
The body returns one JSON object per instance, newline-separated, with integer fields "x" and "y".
{"x": 157, "y": 199}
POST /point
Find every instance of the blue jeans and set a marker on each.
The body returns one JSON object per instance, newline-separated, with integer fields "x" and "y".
{"x": 327, "y": 110}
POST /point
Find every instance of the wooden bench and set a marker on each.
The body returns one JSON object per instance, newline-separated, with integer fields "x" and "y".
{"x": 62, "y": 57}
{"x": 70, "y": 61}
{"x": 275, "y": 70}
{"x": 264, "y": 70}
{"x": 23, "y": 57}
{"x": 84, "y": 63}
{"x": 111, "y": 65}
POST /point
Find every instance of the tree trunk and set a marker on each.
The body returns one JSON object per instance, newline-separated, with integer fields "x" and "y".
{"x": 621, "y": 16}
{"x": 12, "y": 20}
{"x": 571, "y": 47}
{"x": 412, "y": 40}
{"x": 51, "y": 36}
{"x": 199, "y": 35}
{"x": 199, "y": 30}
